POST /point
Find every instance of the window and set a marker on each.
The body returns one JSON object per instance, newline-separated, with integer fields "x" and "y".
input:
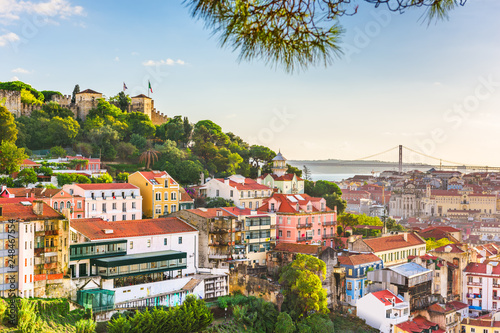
{"x": 173, "y": 208}
{"x": 131, "y": 245}
{"x": 166, "y": 183}
{"x": 242, "y": 194}
{"x": 231, "y": 193}
{"x": 288, "y": 220}
{"x": 79, "y": 216}
{"x": 288, "y": 234}
{"x": 173, "y": 196}
{"x": 148, "y": 242}
{"x": 158, "y": 210}
{"x": 165, "y": 209}
{"x": 250, "y": 205}
{"x": 104, "y": 208}
{"x": 124, "y": 217}
{"x": 55, "y": 205}
{"x": 281, "y": 233}
{"x": 164, "y": 241}
{"x": 133, "y": 205}
{"x": 124, "y": 207}
{"x": 243, "y": 204}
{"x": 113, "y": 218}
{"x": 133, "y": 216}
{"x": 349, "y": 285}
{"x": 319, "y": 232}
{"x": 68, "y": 204}
{"x": 158, "y": 196}
{"x": 114, "y": 205}
{"x": 79, "y": 205}
{"x": 180, "y": 240}
{"x": 350, "y": 273}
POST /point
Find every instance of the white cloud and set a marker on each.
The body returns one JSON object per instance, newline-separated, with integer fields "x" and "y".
{"x": 20, "y": 70}
{"x": 134, "y": 53}
{"x": 8, "y": 37}
{"x": 14, "y": 78}
{"x": 10, "y": 10}
{"x": 168, "y": 62}
{"x": 117, "y": 59}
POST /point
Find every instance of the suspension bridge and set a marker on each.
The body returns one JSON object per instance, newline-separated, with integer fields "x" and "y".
{"x": 412, "y": 162}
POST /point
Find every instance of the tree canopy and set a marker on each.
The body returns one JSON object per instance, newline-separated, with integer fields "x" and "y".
{"x": 302, "y": 287}
{"x": 294, "y": 34}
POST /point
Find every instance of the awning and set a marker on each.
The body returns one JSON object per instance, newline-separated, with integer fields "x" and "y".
{"x": 139, "y": 258}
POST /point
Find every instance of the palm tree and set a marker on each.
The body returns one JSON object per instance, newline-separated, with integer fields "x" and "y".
{"x": 149, "y": 156}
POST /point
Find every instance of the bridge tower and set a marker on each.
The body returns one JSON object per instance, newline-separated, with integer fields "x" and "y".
{"x": 400, "y": 159}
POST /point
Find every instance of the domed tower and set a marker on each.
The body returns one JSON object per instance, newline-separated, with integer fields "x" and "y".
{"x": 279, "y": 165}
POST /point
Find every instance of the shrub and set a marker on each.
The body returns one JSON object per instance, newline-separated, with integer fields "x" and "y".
{"x": 85, "y": 326}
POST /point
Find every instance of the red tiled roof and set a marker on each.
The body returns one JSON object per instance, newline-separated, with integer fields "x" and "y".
{"x": 185, "y": 197}
{"x": 385, "y": 296}
{"x": 94, "y": 228}
{"x": 287, "y": 206}
{"x": 209, "y": 212}
{"x": 298, "y": 248}
{"x": 247, "y": 185}
{"x": 457, "y": 305}
{"x": 358, "y": 259}
{"x": 444, "y": 228}
{"x": 393, "y": 242}
{"x": 440, "y": 308}
{"x": 454, "y": 249}
{"x": 28, "y": 162}
{"x": 107, "y": 186}
{"x": 148, "y": 175}
{"x": 475, "y": 267}
{"x": 141, "y": 96}
{"x": 12, "y": 208}
{"x": 88, "y": 91}
{"x": 37, "y": 192}
{"x": 453, "y": 193}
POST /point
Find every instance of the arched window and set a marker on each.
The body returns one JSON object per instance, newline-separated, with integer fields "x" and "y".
{"x": 68, "y": 204}
{"x": 55, "y": 205}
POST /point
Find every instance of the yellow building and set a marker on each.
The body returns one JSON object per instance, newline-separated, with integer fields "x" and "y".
{"x": 489, "y": 323}
{"x": 159, "y": 191}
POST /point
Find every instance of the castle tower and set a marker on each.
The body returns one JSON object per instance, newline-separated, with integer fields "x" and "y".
{"x": 85, "y": 101}
{"x": 279, "y": 165}
{"x": 143, "y": 104}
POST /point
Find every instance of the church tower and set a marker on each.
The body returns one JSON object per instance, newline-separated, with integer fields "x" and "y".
{"x": 279, "y": 165}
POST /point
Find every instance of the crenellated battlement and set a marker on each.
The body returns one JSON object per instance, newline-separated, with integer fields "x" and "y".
{"x": 85, "y": 101}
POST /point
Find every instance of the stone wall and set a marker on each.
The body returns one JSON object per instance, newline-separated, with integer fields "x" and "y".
{"x": 201, "y": 224}
{"x": 250, "y": 285}
{"x": 158, "y": 118}
{"x": 12, "y": 101}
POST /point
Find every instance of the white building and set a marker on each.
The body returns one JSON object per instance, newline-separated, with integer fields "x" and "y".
{"x": 382, "y": 310}
{"x": 111, "y": 202}
{"x": 140, "y": 263}
{"x": 244, "y": 192}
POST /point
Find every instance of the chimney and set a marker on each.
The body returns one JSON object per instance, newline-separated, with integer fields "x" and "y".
{"x": 38, "y": 207}
{"x": 226, "y": 181}
{"x": 405, "y": 236}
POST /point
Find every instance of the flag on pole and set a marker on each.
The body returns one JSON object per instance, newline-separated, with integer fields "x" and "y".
{"x": 149, "y": 86}
{"x": 124, "y": 86}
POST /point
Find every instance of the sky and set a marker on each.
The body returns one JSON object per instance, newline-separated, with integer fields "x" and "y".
{"x": 433, "y": 88}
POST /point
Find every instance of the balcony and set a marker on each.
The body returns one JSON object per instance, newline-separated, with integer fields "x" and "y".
{"x": 304, "y": 225}
{"x": 329, "y": 223}
{"x": 217, "y": 230}
{"x": 52, "y": 265}
{"x": 50, "y": 249}
{"x": 39, "y": 233}
{"x": 98, "y": 249}
{"x": 474, "y": 296}
{"x": 219, "y": 243}
{"x": 303, "y": 239}
{"x": 327, "y": 236}
{"x": 53, "y": 232}
{"x": 218, "y": 256}
{"x": 470, "y": 283}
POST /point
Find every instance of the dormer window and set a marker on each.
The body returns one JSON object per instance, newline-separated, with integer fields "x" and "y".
{"x": 166, "y": 182}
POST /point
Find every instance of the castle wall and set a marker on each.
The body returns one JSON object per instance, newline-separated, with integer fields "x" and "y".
{"x": 12, "y": 101}
{"x": 158, "y": 118}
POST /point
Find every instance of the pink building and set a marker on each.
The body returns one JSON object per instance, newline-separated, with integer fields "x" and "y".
{"x": 301, "y": 218}
{"x": 93, "y": 166}
{"x": 111, "y": 202}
